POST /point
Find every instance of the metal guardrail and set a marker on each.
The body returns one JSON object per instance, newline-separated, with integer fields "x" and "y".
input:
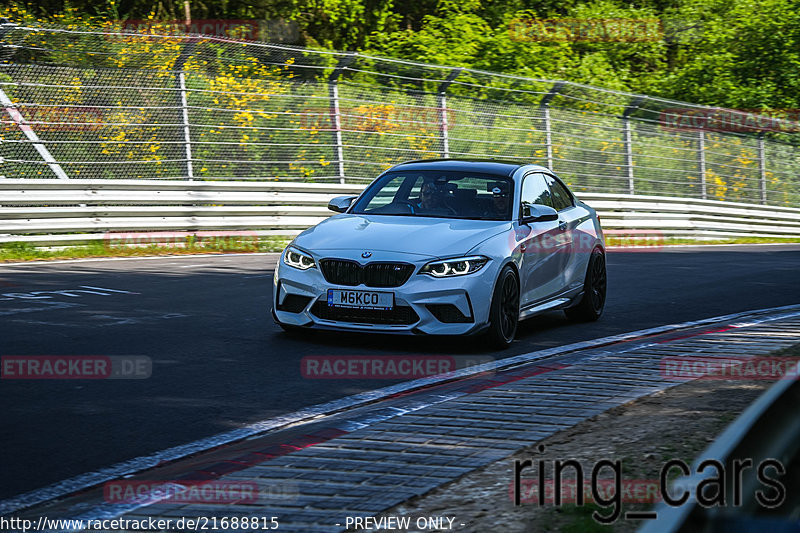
{"x": 53, "y": 211}
{"x": 768, "y": 429}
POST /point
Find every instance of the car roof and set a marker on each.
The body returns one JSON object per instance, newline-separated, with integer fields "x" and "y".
{"x": 486, "y": 166}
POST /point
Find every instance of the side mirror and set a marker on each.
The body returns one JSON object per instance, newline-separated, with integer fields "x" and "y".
{"x": 340, "y": 204}
{"x": 538, "y": 213}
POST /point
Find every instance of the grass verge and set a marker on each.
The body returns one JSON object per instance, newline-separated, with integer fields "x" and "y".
{"x": 656, "y": 241}
{"x": 20, "y": 251}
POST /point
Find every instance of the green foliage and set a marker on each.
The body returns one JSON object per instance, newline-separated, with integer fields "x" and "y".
{"x": 732, "y": 53}
{"x": 454, "y": 39}
{"x": 749, "y": 56}
{"x": 342, "y": 24}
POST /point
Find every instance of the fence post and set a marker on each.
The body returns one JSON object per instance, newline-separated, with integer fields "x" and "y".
{"x": 336, "y": 115}
{"x": 186, "y": 51}
{"x": 443, "y": 122}
{"x": 626, "y": 123}
{"x": 701, "y": 162}
{"x": 187, "y": 138}
{"x": 544, "y": 105}
{"x": 762, "y": 167}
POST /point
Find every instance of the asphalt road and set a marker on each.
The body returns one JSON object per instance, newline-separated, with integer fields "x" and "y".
{"x": 219, "y": 362}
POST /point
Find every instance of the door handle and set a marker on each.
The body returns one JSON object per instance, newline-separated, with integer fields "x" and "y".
{"x": 562, "y": 225}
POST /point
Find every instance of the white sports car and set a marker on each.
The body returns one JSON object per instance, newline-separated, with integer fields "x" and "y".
{"x": 446, "y": 247}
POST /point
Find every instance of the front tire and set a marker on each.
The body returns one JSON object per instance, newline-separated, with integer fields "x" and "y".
{"x": 590, "y": 308}
{"x": 504, "y": 312}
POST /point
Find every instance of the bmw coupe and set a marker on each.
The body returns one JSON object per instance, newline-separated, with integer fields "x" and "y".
{"x": 446, "y": 247}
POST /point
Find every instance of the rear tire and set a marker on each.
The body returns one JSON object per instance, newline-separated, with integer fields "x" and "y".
{"x": 504, "y": 311}
{"x": 590, "y": 308}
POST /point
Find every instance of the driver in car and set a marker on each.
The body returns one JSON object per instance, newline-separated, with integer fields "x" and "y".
{"x": 430, "y": 201}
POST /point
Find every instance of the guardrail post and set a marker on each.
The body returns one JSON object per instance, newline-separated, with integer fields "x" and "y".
{"x": 19, "y": 120}
{"x": 336, "y": 115}
{"x": 762, "y": 168}
{"x": 186, "y": 52}
{"x": 701, "y": 162}
{"x": 626, "y": 123}
{"x": 443, "y": 123}
{"x": 544, "y": 105}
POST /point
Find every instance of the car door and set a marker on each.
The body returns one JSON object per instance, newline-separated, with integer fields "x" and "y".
{"x": 539, "y": 244}
{"x": 569, "y": 218}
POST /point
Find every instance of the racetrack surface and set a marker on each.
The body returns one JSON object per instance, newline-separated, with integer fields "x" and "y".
{"x": 219, "y": 362}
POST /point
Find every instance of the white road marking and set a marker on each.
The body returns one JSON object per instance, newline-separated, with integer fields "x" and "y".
{"x": 108, "y": 290}
{"x": 48, "y": 306}
{"x": 36, "y": 295}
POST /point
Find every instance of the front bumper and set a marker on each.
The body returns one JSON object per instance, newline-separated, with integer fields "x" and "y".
{"x": 470, "y": 294}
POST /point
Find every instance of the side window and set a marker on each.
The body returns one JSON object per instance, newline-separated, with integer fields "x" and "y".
{"x": 562, "y": 199}
{"x": 535, "y": 191}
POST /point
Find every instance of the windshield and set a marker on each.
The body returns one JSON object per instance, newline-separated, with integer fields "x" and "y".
{"x": 441, "y": 194}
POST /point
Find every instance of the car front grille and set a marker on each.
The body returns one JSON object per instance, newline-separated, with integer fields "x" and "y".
{"x": 378, "y": 274}
{"x": 400, "y": 315}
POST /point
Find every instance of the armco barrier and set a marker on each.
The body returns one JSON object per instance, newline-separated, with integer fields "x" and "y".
{"x": 55, "y": 212}
{"x": 766, "y": 433}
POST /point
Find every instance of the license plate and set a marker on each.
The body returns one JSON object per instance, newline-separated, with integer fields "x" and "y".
{"x": 360, "y": 299}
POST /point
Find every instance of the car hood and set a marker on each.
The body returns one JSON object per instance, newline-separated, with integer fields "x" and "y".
{"x": 421, "y": 236}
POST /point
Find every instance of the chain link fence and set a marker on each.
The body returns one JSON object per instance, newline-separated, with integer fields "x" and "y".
{"x": 84, "y": 103}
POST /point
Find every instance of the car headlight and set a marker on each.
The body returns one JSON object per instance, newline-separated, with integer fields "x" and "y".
{"x": 459, "y": 266}
{"x": 297, "y": 259}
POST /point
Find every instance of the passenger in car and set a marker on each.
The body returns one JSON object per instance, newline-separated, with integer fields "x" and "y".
{"x": 500, "y": 202}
